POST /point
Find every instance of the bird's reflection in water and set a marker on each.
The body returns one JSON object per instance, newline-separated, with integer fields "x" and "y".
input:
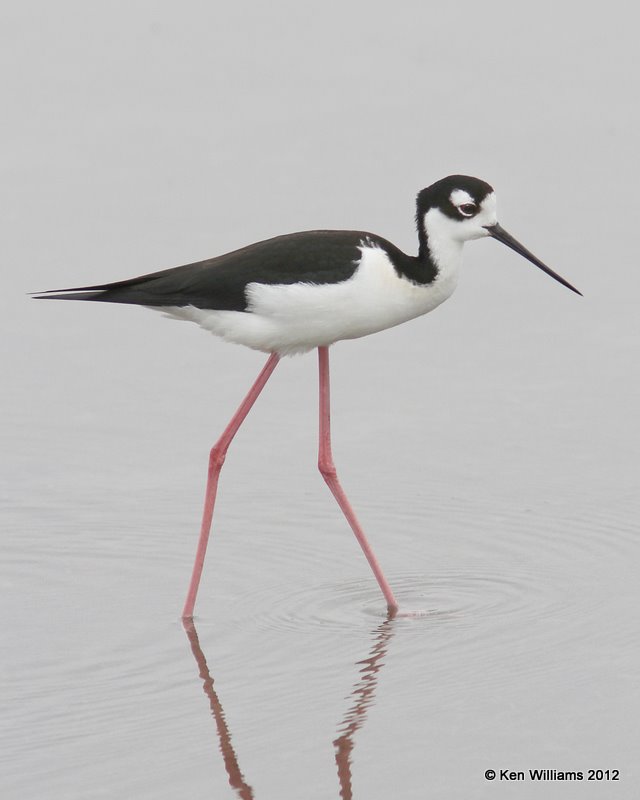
{"x": 362, "y": 694}
{"x": 236, "y": 778}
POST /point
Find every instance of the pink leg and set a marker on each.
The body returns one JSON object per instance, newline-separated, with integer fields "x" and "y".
{"x": 328, "y": 470}
{"x": 216, "y": 460}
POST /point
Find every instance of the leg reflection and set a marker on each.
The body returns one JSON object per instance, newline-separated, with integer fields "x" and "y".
{"x": 236, "y": 778}
{"x": 363, "y": 695}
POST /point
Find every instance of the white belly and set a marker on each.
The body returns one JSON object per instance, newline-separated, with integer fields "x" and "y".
{"x": 289, "y": 319}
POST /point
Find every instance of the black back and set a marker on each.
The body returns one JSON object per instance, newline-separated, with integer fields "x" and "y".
{"x": 316, "y": 257}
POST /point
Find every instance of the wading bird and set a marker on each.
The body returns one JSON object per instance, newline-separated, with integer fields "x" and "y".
{"x": 301, "y": 291}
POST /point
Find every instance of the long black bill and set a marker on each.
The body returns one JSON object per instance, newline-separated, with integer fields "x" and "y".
{"x": 499, "y": 233}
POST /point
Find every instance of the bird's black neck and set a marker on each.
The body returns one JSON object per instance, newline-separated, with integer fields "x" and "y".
{"x": 423, "y": 241}
{"x": 424, "y": 268}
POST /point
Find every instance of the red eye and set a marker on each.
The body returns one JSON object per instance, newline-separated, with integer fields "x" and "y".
{"x": 467, "y": 209}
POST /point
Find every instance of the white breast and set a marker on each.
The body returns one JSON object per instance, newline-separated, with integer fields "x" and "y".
{"x": 296, "y": 318}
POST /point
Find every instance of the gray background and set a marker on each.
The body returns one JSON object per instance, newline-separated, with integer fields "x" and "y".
{"x": 489, "y": 448}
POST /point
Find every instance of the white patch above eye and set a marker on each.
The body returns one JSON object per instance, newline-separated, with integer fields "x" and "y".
{"x": 459, "y": 197}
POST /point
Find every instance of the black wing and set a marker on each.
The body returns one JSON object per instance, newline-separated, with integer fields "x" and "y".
{"x": 219, "y": 283}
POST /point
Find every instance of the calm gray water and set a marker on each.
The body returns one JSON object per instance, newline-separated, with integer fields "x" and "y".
{"x": 490, "y": 449}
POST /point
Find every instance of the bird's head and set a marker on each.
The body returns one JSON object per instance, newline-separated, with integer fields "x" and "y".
{"x": 459, "y": 208}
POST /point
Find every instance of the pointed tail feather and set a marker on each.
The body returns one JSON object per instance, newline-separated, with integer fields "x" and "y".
{"x": 137, "y": 291}
{"x": 85, "y": 293}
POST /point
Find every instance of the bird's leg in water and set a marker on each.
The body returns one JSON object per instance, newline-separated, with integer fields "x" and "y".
{"x": 216, "y": 460}
{"x": 328, "y": 470}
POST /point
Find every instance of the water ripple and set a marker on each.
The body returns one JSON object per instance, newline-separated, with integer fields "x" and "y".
{"x": 464, "y": 597}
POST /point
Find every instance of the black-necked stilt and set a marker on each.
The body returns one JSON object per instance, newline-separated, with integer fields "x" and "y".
{"x": 305, "y": 290}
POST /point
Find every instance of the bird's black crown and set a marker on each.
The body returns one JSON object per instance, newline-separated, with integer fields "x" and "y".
{"x": 437, "y": 195}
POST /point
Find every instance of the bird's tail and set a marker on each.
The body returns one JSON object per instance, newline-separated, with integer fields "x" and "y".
{"x": 132, "y": 290}
{"x": 81, "y": 293}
